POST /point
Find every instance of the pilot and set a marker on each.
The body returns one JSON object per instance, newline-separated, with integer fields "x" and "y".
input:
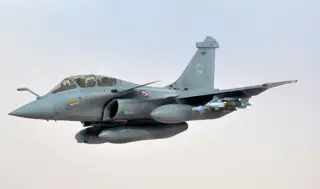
{"x": 90, "y": 83}
{"x": 80, "y": 82}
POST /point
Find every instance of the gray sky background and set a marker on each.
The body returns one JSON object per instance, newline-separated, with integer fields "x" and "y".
{"x": 273, "y": 144}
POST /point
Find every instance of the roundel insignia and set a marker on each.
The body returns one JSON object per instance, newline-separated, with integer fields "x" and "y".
{"x": 144, "y": 93}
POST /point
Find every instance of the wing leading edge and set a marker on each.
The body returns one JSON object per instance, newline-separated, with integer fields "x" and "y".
{"x": 243, "y": 92}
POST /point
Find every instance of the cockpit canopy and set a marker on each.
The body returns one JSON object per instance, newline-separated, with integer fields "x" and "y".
{"x": 84, "y": 81}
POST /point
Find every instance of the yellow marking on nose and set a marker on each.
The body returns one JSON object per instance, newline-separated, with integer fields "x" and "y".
{"x": 72, "y": 100}
{"x": 225, "y": 104}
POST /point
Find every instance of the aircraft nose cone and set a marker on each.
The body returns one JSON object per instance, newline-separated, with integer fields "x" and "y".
{"x": 35, "y": 110}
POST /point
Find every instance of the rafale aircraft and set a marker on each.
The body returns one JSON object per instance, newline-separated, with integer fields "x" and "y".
{"x": 117, "y": 111}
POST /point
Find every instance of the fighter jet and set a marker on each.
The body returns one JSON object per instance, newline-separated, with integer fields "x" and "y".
{"x": 113, "y": 110}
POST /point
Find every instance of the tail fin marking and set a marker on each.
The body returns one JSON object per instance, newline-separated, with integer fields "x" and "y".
{"x": 199, "y": 74}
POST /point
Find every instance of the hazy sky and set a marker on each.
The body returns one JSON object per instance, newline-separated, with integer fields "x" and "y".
{"x": 273, "y": 144}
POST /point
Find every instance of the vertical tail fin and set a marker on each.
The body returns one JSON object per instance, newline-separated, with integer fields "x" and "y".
{"x": 199, "y": 74}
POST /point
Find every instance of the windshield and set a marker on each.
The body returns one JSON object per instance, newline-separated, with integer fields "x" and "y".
{"x": 65, "y": 85}
{"x": 84, "y": 81}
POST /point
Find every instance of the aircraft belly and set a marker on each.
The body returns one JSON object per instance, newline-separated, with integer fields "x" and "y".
{"x": 129, "y": 133}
